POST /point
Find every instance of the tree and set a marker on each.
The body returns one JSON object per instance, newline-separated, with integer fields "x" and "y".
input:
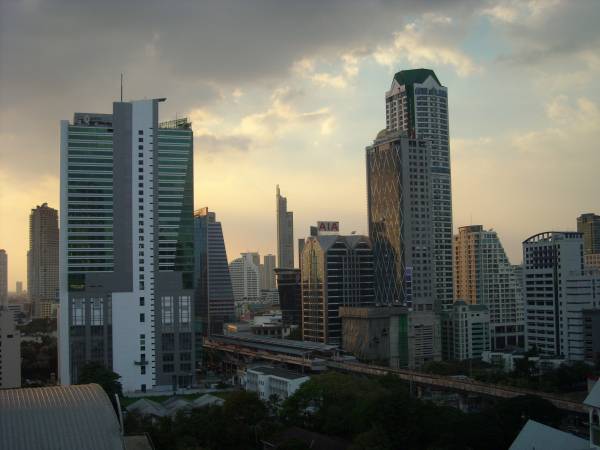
{"x": 93, "y": 372}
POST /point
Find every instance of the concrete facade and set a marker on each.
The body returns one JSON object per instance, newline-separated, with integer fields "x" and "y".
{"x": 268, "y": 381}
{"x": 376, "y": 334}
{"x": 3, "y": 277}
{"x": 10, "y": 351}
{"x": 465, "y": 331}
{"x": 42, "y": 259}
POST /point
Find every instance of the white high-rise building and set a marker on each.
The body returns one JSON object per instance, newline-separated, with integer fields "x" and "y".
{"x": 550, "y": 260}
{"x": 245, "y": 278}
{"x": 483, "y": 275}
{"x": 417, "y": 104}
{"x": 126, "y": 247}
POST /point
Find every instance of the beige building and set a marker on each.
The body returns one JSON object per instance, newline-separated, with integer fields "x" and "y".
{"x": 42, "y": 259}
{"x": 10, "y": 351}
{"x": 483, "y": 275}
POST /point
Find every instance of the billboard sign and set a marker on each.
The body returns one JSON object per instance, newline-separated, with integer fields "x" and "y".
{"x": 328, "y": 227}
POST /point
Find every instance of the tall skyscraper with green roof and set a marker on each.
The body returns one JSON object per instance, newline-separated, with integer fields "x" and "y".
{"x": 417, "y": 104}
{"x": 126, "y": 246}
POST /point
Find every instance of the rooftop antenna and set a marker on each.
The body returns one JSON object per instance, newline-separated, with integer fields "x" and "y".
{"x": 121, "y": 87}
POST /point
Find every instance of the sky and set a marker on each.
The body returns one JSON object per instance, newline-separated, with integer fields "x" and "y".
{"x": 291, "y": 92}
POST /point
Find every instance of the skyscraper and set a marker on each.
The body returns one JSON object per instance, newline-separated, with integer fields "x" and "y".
{"x": 550, "y": 259}
{"x": 126, "y": 246}
{"x": 213, "y": 304}
{"x": 417, "y": 104}
{"x": 285, "y": 233}
{"x": 3, "y": 277}
{"x": 245, "y": 278}
{"x": 42, "y": 257}
{"x": 484, "y": 276}
{"x": 400, "y": 221}
{"x": 336, "y": 271}
{"x": 268, "y": 272}
{"x": 589, "y": 226}
{"x": 399, "y": 200}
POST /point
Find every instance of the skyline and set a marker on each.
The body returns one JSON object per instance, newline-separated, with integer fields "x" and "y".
{"x": 301, "y": 113}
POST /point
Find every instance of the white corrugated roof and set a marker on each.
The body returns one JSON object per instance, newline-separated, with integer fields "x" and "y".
{"x": 593, "y": 398}
{"x": 58, "y": 418}
{"x": 537, "y": 436}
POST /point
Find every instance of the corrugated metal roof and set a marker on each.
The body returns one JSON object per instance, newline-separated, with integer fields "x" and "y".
{"x": 58, "y": 418}
{"x": 593, "y": 398}
{"x": 538, "y": 436}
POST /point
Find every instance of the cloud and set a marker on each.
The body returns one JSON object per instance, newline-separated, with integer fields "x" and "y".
{"x": 281, "y": 117}
{"x": 416, "y": 47}
{"x": 210, "y": 143}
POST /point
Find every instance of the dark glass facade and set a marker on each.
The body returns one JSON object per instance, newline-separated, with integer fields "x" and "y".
{"x": 214, "y": 304}
{"x": 336, "y": 271}
{"x": 290, "y": 296}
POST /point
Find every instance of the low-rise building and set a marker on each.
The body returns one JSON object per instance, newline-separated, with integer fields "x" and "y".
{"x": 508, "y": 361}
{"x": 465, "y": 331}
{"x": 10, "y": 351}
{"x": 376, "y": 334}
{"x": 268, "y": 381}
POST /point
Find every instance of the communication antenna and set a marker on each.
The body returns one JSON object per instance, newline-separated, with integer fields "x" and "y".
{"x": 121, "y": 87}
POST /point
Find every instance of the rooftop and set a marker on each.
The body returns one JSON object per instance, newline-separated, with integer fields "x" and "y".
{"x": 415, "y": 76}
{"x": 58, "y": 418}
{"x": 535, "y": 435}
{"x": 277, "y": 372}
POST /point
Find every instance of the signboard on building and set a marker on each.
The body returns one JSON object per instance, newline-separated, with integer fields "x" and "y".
{"x": 328, "y": 227}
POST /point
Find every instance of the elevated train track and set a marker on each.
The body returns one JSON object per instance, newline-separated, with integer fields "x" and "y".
{"x": 318, "y": 357}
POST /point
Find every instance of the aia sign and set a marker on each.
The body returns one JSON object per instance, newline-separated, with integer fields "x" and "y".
{"x": 328, "y": 227}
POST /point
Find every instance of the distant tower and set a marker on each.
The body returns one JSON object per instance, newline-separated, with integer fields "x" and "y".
{"x": 3, "y": 277}
{"x": 245, "y": 278}
{"x": 285, "y": 233}
{"x": 268, "y": 272}
{"x": 42, "y": 257}
{"x": 214, "y": 304}
{"x": 589, "y": 226}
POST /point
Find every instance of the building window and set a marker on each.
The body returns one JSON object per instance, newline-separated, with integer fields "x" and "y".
{"x": 184, "y": 309}
{"x": 167, "y": 310}
{"x": 97, "y": 311}
{"x": 142, "y": 317}
{"x": 142, "y": 301}
{"x": 185, "y": 341}
{"x": 77, "y": 309}
{"x": 168, "y": 342}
